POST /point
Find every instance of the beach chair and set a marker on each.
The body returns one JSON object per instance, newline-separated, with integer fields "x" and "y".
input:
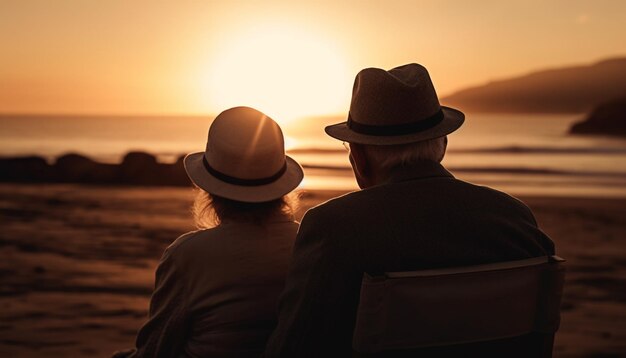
{"x": 509, "y": 309}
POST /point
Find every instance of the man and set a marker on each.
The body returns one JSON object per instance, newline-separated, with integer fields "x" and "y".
{"x": 411, "y": 214}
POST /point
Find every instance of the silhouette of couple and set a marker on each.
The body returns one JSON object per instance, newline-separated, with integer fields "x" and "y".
{"x": 251, "y": 283}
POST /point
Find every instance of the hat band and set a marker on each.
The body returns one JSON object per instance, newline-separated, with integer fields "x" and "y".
{"x": 244, "y": 182}
{"x": 398, "y": 129}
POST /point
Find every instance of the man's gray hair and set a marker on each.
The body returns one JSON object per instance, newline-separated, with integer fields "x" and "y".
{"x": 388, "y": 156}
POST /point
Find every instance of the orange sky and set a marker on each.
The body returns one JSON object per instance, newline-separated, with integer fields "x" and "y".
{"x": 285, "y": 57}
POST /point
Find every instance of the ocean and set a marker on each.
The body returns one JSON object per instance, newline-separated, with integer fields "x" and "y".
{"x": 523, "y": 154}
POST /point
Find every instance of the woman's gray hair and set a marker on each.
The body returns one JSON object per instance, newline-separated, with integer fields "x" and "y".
{"x": 210, "y": 210}
{"x": 388, "y": 156}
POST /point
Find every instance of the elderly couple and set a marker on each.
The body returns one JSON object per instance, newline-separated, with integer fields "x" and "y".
{"x": 254, "y": 284}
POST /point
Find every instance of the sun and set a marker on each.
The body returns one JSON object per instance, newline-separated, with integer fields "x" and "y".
{"x": 283, "y": 71}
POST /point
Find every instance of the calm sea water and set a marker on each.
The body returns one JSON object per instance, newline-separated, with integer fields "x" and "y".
{"x": 521, "y": 154}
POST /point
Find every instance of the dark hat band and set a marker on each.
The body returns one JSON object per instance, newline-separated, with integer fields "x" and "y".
{"x": 398, "y": 129}
{"x": 244, "y": 182}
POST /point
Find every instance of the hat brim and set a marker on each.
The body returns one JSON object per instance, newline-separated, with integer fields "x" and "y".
{"x": 252, "y": 194}
{"x": 452, "y": 120}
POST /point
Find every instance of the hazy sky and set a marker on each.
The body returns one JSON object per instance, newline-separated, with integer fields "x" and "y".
{"x": 288, "y": 57}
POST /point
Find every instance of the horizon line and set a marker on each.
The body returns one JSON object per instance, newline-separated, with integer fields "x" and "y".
{"x": 146, "y": 114}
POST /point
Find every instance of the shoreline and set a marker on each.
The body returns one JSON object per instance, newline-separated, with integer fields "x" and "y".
{"x": 79, "y": 265}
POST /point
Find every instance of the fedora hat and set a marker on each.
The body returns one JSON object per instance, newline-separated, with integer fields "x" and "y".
{"x": 398, "y": 106}
{"x": 244, "y": 158}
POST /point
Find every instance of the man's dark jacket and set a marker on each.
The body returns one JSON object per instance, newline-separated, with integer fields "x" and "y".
{"x": 422, "y": 218}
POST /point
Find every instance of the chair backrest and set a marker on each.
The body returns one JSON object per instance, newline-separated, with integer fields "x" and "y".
{"x": 443, "y": 307}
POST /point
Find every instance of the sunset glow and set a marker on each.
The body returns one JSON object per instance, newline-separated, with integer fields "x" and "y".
{"x": 290, "y": 59}
{"x": 283, "y": 71}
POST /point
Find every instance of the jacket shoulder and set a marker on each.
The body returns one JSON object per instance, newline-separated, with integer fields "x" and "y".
{"x": 340, "y": 203}
{"x": 185, "y": 242}
{"x": 505, "y": 198}
{"x": 449, "y": 190}
{"x": 340, "y": 216}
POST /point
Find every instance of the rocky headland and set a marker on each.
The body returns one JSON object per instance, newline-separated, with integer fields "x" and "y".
{"x": 608, "y": 118}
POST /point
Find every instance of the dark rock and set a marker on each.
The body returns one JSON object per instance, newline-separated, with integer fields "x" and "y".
{"x": 75, "y": 168}
{"x": 181, "y": 160}
{"x": 30, "y": 169}
{"x": 174, "y": 174}
{"x": 139, "y": 168}
{"x": 607, "y": 119}
{"x": 139, "y": 159}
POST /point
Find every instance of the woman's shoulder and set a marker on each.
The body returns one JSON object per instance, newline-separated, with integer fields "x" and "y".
{"x": 215, "y": 236}
{"x": 184, "y": 241}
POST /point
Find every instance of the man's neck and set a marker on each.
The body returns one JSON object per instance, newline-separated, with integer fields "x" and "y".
{"x": 399, "y": 173}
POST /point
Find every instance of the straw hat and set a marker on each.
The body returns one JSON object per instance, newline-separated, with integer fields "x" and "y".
{"x": 399, "y": 106}
{"x": 244, "y": 159}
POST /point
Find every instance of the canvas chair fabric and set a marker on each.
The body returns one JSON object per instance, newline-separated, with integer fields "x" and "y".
{"x": 429, "y": 308}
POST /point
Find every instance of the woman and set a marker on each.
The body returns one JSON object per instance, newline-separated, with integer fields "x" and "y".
{"x": 217, "y": 288}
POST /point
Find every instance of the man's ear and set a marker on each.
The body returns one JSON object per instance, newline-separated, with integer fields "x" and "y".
{"x": 361, "y": 166}
{"x": 445, "y": 148}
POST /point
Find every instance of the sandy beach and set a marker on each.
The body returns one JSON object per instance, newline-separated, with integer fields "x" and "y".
{"x": 77, "y": 266}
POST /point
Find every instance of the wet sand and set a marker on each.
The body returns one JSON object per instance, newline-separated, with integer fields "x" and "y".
{"x": 77, "y": 266}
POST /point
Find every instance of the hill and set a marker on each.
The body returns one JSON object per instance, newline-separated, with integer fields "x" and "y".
{"x": 607, "y": 119}
{"x": 566, "y": 90}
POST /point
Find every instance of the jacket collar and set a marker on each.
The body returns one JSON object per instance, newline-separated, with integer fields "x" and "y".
{"x": 277, "y": 217}
{"x": 420, "y": 170}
